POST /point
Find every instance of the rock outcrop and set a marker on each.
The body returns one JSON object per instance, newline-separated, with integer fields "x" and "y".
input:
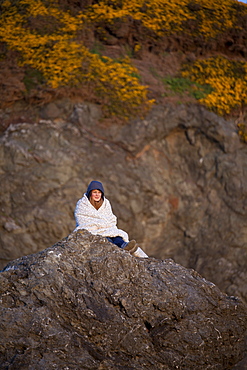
{"x": 86, "y": 304}
{"x": 177, "y": 182}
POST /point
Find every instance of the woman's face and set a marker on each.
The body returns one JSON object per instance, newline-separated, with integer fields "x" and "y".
{"x": 96, "y": 195}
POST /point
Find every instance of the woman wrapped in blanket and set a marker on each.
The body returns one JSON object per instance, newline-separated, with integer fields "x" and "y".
{"x": 93, "y": 212}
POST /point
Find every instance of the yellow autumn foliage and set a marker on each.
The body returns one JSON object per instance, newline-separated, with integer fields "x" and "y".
{"x": 170, "y": 16}
{"x": 228, "y": 79}
{"x": 63, "y": 61}
{"x": 46, "y": 38}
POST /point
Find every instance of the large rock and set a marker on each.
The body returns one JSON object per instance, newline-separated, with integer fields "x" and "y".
{"x": 176, "y": 179}
{"x": 86, "y": 304}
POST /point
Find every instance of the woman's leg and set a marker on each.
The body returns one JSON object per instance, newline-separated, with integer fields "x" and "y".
{"x": 117, "y": 240}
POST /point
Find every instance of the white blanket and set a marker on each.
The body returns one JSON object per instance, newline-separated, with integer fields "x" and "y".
{"x": 98, "y": 222}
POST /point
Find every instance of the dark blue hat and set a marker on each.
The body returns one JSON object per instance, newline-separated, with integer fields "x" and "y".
{"x": 95, "y": 185}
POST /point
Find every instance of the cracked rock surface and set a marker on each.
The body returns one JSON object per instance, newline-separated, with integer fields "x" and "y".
{"x": 86, "y": 304}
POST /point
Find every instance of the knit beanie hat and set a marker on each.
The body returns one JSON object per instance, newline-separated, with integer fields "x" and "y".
{"x": 95, "y": 185}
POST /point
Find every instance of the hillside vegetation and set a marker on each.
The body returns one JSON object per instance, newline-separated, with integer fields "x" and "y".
{"x": 50, "y": 49}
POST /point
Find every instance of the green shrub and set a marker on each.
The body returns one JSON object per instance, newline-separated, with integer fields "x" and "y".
{"x": 180, "y": 85}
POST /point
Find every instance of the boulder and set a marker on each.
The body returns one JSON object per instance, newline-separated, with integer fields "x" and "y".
{"x": 86, "y": 304}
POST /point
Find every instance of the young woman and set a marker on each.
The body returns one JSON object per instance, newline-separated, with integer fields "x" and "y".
{"x": 94, "y": 213}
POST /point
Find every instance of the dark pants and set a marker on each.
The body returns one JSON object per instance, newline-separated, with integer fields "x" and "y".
{"x": 118, "y": 240}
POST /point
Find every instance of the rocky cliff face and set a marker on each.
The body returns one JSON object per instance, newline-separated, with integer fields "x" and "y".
{"x": 176, "y": 180}
{"x": 86, "y": 304}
